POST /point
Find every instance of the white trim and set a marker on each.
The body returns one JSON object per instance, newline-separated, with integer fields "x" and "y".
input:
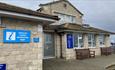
{"x": 78, "y": 48}
{"x": 25, "y": 16}
{"x": 74, "y": 31}
{"x": 78, "y": 35}
{"x": 92, "y": 47}
{"x": 102, "y": 39}
{"x": 48, "y": 57}
{"x": 92, "y": 37}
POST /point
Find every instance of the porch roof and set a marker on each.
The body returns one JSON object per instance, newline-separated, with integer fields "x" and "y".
{"x": 70, "y": 27}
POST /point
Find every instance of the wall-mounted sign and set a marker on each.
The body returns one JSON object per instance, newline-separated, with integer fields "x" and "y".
{"x": 16, "y": 36}
{"x": 36, "y": 40}
{"x": 2, "y": 66}
{"x": 69, "y": 41}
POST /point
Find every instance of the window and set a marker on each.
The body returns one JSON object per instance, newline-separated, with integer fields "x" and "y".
{"x": 91, "y": 40}
{"x": 48, "y": 38}
{"x": 78, "y": 40}
{"x": 101, "y": 39}
{"x": 65, "y": 5}
{"x": 66, "y": 18}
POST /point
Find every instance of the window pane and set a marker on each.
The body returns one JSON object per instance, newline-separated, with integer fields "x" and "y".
{"x": 101, "y": 39}
{"x": 66, "y": 18}
{"x": 91, "y": 40}
{"x": 94, "y": 40}
{"x": 78, "y": 40}
{"x": 75, "y": 40}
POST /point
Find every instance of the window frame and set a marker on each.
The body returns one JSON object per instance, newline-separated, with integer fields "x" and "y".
{"x": 102, "y": 39}
{"x": 92, "y": 41}
{"x": 78, "y": 40}
{"x": 66, "y": 17}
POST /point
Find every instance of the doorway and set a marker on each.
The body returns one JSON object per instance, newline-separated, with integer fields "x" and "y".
{"x": 49, "y": 49}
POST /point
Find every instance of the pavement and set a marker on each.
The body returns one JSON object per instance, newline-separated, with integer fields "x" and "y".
{"x": 97, "y": 63}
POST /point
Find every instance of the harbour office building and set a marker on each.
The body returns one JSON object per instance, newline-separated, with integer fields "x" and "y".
{"x": 21, "y": 37}
{"x": 28, "y": 37}
{"x": 70, "y": 33}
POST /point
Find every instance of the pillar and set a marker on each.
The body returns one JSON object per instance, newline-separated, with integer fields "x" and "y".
{"x": 85, "y": 40}
{"x": 97, "y": 41}
{"x": 107, "y": 40}
{"x": 64, "y": 46}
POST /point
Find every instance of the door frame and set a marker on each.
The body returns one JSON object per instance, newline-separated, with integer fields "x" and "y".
{"x": 49, "y": 57}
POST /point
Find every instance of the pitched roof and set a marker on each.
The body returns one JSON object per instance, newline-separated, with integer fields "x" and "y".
{"x": 61, "y": 1}
{"x": 85, "y": 29}
{"x": 11, "y": 8}
{"x": 78, "y": 28}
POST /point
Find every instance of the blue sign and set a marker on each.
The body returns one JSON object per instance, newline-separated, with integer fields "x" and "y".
{"x": 69, "y": 41}
{"x": 2, "y": 66}
{"x": 16, "y": 36}
{"x": 36, "y": 40}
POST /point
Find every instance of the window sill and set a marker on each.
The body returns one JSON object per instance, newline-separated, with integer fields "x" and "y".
{"x": 87, "y": 47}
{"x": 102, "y": 45}
{"x": 91, "y": 47}
{"x": 77, "y": 48}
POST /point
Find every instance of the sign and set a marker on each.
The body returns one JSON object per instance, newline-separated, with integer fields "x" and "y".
{"x": 2, "y": 66}
{"x": 16, "y": 36}
{"x": 69, "y": 41}
{"x": 36, "y": 40}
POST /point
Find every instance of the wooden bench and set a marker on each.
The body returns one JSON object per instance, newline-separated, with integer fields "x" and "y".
{"x": 84, "y": 53}
{"x": 106, "y": 51}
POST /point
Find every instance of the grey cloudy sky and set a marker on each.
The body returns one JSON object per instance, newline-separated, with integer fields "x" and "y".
{"x": 97, "y": 13}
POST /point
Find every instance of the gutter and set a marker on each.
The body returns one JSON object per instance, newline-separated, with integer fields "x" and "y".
{"x": 83, "y": 31}
{"x": 25, "y": 16}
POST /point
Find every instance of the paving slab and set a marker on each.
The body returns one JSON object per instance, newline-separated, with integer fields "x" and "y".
{"x": 98, "y": 63}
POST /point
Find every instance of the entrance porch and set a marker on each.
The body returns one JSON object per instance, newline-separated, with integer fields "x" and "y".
{"x": 68, "y": 37}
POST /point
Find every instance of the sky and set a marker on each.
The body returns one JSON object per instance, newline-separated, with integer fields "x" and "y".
{"x": 97, "y": 13}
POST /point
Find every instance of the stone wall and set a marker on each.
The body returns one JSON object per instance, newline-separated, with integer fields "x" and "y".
{"x": 57, "y": 45}
{"x": 70, "y": 53}
{"x": 59, "y": 7}
{"x": 21, "y": 56}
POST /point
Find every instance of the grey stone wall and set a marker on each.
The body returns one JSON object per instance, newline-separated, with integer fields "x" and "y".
{"x": 21, "y": 56}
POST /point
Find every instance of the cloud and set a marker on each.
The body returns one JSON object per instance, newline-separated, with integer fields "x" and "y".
{"x": 98, "y": 13}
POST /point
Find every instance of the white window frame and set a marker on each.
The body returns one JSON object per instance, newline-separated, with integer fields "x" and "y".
{"x": 78, "y": 40}
{"x": 66, "y": 18}
{"x": 93, "y": 40}
{"x": 102, "y": 39}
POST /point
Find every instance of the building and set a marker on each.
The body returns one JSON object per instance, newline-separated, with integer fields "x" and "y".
{"x": 21, "y": 36}
{"x": 70, "y": 33}
{"x": 26, "y": 36}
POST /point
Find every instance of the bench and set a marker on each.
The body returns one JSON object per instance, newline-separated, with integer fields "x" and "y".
{"x": 84, "y": 53}
{"x": 106, "y": 51}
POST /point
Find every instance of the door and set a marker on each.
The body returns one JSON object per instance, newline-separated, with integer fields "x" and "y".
{"x": 49, "y": 49}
